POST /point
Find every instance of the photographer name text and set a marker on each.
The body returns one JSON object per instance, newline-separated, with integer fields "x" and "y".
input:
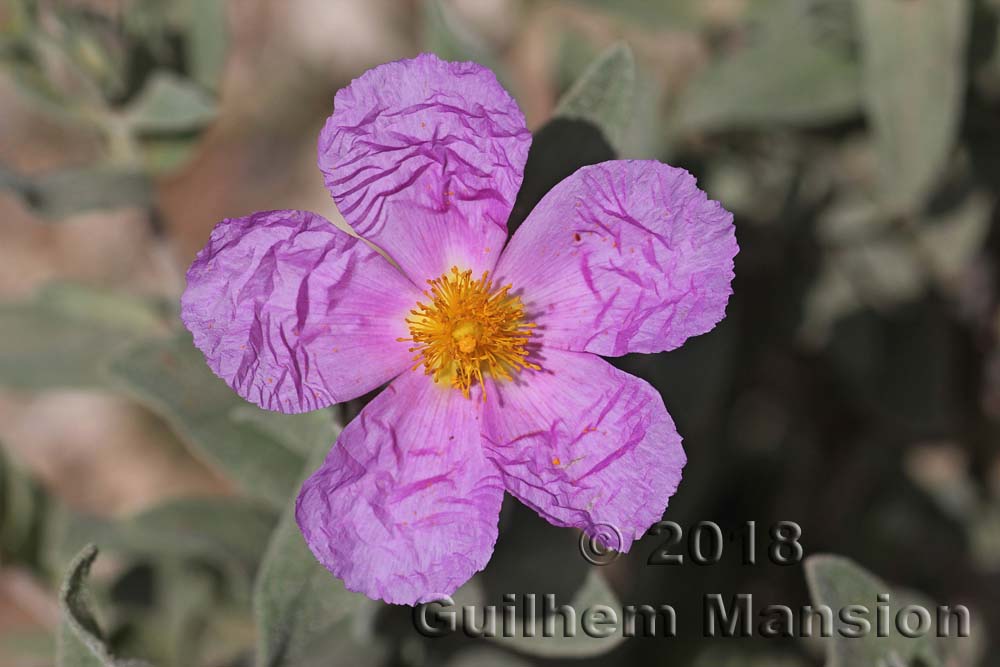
{"x": 530, "y": 615}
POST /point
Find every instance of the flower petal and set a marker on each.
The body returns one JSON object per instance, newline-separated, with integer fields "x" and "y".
{"x": 425, "y": 149}
{"x": 295, "y": 314}
{"x": 623, "y": 256}
{"x": 405, "y": 507}
{"x": 585, "y": 445}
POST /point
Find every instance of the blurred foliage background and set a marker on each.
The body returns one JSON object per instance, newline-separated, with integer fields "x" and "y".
{"x": 854, "y": 387}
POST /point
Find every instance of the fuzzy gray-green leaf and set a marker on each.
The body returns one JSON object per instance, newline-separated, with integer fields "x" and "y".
{"x": 604, "y": 94}
{"x": 81, "y": 642}
{"x": 73, "y": 190}
{"x": 303, "y": 612}
{"x": 914, "y": 85}
{"x": 65, "y": 334}
{"x": 172, "y": 379}
{"x": 839, "y": 582}
{"x": 170, "y": 103}
{"x": 781, "y": 73}
{"x": 593, "y": 593}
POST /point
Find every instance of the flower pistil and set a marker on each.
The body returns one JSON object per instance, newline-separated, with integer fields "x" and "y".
{"x": 468, "y": 329}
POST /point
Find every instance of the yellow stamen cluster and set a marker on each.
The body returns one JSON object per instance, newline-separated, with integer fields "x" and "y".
{"x": 467, "y": 330}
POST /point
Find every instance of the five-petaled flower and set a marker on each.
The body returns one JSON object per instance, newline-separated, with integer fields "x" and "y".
{"x": 490, "y": 347}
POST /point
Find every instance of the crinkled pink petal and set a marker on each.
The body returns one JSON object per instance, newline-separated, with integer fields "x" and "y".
{"x": 426, "y": 154}
{"x": 295, "y": 314}
{"x": 623, "y": 256}
{"x": 405, "y": 507}
{"x": 439, "y": 240}
{"x": 585, "y": 445}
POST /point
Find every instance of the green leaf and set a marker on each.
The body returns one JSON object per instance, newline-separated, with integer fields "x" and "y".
{"x": 22, "y": 511}
{"x": 130, "y": 316}
{"x": 170, "y": 103}
{"x": 574, "y": 54}
{"x": 27, "y": 646}
{"x": 594, "y": 591}
{"x": 35, "y": 89}
{"x": 66, "y": 532}
{"x": 21, "y": 16}
{"x": 718, "y": 656}
{"x": 65, "y": 192}
{"x": 950, "y": 240}
{"x": 52, "y": 77}
{"x": 300, "y": 433}
{"x": 231, "y": 528}
{"x": 604, "y": 94}
{"x": 171, "y": 378}
{"x": 678, "y": 14}
{"x": 783, "y": 73}
{"x": 485, "y": 657}
{"x": 228, "y": 532}
{"x": 914, "y": 85}
{"x": 207, "y": 41}
{"x": 81, "y": 642}
{"x": 229, "y": 637}
{"x": 64, "y": 336}
{"x": 91, "y": 42}
{"x": 192, "y": 545}
{"x": 876, "y": 273}
{"x": 173, "y": 632}
{"x": 166, "y": 153}
{"x": 304, "y": 614}
{"x": 838, "y": 583}
{"x": 446, "y": 35}
{"x": 870, "y": 263}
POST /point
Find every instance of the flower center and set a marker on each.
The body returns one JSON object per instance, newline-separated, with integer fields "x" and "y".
{"x": 469, "y": 329}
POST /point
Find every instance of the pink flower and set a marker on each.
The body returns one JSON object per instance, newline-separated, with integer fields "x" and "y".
{"x": 490, "y": 352}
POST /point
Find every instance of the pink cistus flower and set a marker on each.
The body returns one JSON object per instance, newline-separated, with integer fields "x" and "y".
{"x": 491, "y": 351}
